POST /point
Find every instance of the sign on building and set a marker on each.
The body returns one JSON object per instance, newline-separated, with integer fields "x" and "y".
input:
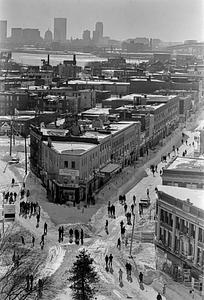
{"x": 69, "y": 172}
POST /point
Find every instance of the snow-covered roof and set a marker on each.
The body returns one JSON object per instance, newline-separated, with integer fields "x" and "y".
{"x": 187, "y": 164}
{"x": 196, "y": 197}
{"x": 72, "y": 148}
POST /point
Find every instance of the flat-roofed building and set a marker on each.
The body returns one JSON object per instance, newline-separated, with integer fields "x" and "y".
{"x": 97, "y": 151}
{"x": 185, "y": 172}
{"x": 180, "y": 233}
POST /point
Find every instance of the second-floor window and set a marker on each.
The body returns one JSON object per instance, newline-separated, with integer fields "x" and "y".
{"x": 73, "y": 164}
{"x": 65, "y": 164}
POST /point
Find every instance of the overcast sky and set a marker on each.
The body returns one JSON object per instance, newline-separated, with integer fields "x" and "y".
{"x": 169, "y": 20}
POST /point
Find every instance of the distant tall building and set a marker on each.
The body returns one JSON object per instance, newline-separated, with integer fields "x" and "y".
{"x": 3, "y": 30}
{"x": 17, "y": 35}
{"x": 60, "y": 30}
{"x": 31, "y": 36}
{"x": 99, "y": 29}
{"x": 98, "y": 32}
{"x": 86, "y": 35}
{"x": 48, "y": 36}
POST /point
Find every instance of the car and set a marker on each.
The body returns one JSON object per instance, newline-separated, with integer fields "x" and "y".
{"x": 145, "y": 202}
{"x": 13, "y": 161}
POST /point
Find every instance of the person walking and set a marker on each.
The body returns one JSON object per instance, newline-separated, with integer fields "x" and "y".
{"x": 22, "y": 240}
{"x": 31, "y": 282}
{"x": 120, "y": 272}
{"x": 159, "y": 297}
{"x": 33, "y": 241}
{"x": 59, "y": 234}
{"x": 119, "y": 244}
{"x": 62, "y": 233}
{"x": 141, "y": 277}
{"x": 110, "y": 262}
{"x": 106, "y": 227}
{"x": 38, "y": 220}
{"x": 45, "y": 228}
{"x": 82, "y": 236}
{"x": 106, "y": 260}
{"x": 132, "y": 208}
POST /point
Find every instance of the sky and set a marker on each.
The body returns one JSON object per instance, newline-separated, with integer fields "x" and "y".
{"x": 169, "y": 20}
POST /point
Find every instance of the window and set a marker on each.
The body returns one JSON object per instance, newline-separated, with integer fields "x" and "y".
{"x": 73, "y": 164}
{"x": 65, "y": 164}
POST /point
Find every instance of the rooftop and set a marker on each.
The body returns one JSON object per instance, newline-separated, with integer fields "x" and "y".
{"x": 72, "y": 148}
{"x": 196, "y": 197}
{"x": 187, "y": 164}
{"x": 94, "y": 82}
{"x": 96, "y": 111}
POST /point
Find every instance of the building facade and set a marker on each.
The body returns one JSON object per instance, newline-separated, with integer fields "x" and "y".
{"x": 180, "y": 233}
{"x": 60, "y": 30}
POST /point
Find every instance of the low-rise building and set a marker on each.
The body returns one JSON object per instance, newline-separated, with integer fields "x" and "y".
{"x": 91, "y": 152}
{"x": 185, "y": 172}
{"x": 180, "y": 233}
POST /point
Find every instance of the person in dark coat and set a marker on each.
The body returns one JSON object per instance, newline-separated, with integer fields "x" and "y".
{"x": 45, "y": 228}
{"x": 110, "y": 261}
{"x": 141, "y": 277}
{"x": 106, "y": 260}
{"x": 159, "y": 297}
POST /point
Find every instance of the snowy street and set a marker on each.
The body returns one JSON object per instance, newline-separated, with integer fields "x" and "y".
{"x": 98, "y": 242}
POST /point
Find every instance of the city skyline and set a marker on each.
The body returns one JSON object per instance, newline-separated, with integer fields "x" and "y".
{"x": 133, "y": 17}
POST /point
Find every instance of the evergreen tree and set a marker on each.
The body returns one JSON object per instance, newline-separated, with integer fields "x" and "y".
{"x": 83, "y": 277}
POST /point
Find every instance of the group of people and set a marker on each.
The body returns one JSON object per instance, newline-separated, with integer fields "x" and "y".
{"x": 10, "y": 197}
{"x": 109, "y": 261}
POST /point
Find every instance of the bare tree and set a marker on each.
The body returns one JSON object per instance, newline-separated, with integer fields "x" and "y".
{"x": 20, "y": 270}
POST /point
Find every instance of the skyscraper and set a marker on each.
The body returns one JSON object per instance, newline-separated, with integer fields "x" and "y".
{"x": 99, "y": 29}
{"x": 60, "y": 30}
{"x": 3, "y": 30}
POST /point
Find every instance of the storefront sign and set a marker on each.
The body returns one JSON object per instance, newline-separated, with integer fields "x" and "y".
{"x": 69, "y": 172}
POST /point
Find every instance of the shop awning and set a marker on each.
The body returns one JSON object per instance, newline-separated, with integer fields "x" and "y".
{"x": 110, "y": 168}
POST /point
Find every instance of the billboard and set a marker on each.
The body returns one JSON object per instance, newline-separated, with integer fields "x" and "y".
{"x": 9, "y": 211}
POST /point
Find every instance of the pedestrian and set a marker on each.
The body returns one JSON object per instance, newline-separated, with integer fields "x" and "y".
{"x": 33, "y": 241}
{"x": 27, "y": 282}
{"x": 132, "y": 208}
{"x": 59, "y": 234}
{"x": 106, "y": 260}
{"x": 22, "y": 240}
{"x": 193, "y": 144}
{"x": 159, "y": 297}
{"x": 141, "y": 277}
{"x": 38, "y": 220}
{"x": 130, "y": 269}
{"x": 147, "y": 193}
{"x": 109, "y": 209}
{"x": 45, "y": 228}
{"x": 120, "y": 272}
{"x": 106, "y": 227}
{"x": 82, "y": 236}
{"x": 134, "y": 200}
{"x": 110, "y": 261}
{"x": 12, "y": 181}
{"x": 31, "y": 282}
{"x": 15, "y": 196}
{"x": 125, "y": 208}
{"x": 119, "y": 244}
{"x": 62, "y": 233}
{"x": 113, "y": 211}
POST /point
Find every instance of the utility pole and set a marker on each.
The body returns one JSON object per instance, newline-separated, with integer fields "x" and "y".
{"x": 11, "y": 133}
{"x": 3, "y": 216}
{"x": 26, "y": 167}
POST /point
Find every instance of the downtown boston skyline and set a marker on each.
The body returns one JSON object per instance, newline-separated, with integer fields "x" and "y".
{"x": 122, "y": 19}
